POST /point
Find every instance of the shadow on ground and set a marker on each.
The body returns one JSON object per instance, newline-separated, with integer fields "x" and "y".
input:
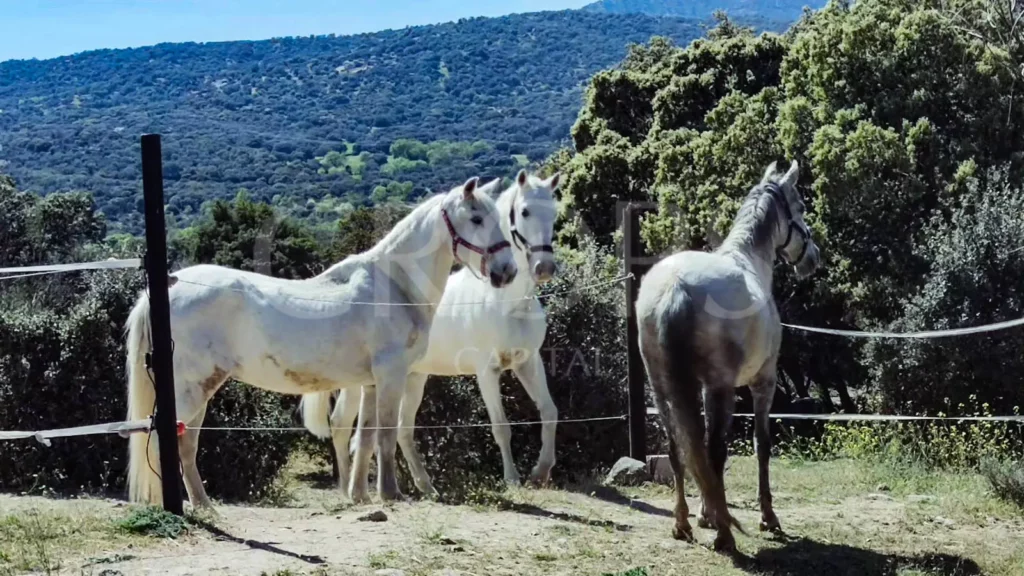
{"x": 613, "y": 496}
{"x": 503, "y": 503}
{"x": 271, "y": 547}
{"x": 806, "y": 557}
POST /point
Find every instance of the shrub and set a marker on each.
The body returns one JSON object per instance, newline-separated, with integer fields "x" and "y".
{"x": 1006, "y": 478}
{"x": 63, "y": 367}
{"x": 973, "y": 281}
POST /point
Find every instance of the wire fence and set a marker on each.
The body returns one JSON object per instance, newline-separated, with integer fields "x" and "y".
{"x": 145, "y": 426}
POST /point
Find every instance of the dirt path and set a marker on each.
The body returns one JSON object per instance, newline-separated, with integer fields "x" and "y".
{"x": 838, "y": 523}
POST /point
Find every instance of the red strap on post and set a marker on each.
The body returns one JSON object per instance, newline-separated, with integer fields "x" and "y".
{"x": 181, "y": 428}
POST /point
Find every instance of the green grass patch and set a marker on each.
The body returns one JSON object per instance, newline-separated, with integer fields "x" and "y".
{"x": 153, "y": 521}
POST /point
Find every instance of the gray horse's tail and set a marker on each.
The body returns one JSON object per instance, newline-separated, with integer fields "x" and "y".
{"x": 683, "y": 390}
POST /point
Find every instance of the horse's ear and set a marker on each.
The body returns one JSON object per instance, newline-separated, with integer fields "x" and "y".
{"x": 793, "y": 174}
{"x": 521, "y": 177}
{"x": 554, "y": 181}
{"x": 769, "y": 172}
{"x": 492, "y": 187}
{"x": 469, "y": 187}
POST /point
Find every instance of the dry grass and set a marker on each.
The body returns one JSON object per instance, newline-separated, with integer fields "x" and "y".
{"x": 841, "y": 517}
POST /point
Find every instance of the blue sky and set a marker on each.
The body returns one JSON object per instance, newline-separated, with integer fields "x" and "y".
{"x": 49, "y": 28}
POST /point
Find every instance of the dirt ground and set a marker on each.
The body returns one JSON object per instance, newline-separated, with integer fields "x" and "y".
{"x": 840, "y": 518}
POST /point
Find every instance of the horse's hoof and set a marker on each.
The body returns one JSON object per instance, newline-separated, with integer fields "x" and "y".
{"x": 360, "y": 496}
{"x": 725, "y": 543}
{"x": 771, "y": 525}
{"x": 684, "y": 533}
{"x": 513, "y": 482}
{"x": 391, "y": 495}
{"x": 540, "y": 477}
{"x": 705, "y": 522}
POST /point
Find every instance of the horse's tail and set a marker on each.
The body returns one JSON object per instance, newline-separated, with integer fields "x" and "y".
{"x": 684, "y": 392}
{"x": 316, "y": 413}
{"x": 143, "y": 458}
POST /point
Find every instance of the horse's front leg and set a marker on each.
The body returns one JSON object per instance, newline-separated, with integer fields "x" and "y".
{"x": 390, "y": 376}
{"x": 488, "y": 379}
{"x": 414, "y": 387}
{"x": 358, "y": 488}
{"x": 763, "y": 392}
{"x": 531, "y": 375}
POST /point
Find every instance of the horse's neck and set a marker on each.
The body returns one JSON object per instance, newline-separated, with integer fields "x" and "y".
{"x": 417, "y": 256}
{"x": 758, "y": 261}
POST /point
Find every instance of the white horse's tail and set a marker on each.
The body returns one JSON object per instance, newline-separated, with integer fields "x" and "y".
{"x": 143, "y": 459}
{"x": 316, "y": 413}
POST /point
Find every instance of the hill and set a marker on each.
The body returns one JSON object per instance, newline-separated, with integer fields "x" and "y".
{"x": 781, "y": 10}
{"x": 314, "y": 124}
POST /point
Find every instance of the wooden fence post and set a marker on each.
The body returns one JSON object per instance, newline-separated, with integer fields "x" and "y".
{"x": 160, "y": 319}
{"x": 637, "y": 264}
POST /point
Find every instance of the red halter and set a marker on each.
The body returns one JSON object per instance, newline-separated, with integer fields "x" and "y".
{"x": 484, "y": 253}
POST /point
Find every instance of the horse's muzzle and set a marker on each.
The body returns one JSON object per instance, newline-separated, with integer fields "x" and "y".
{"x": 503, "y": 276}
{"x": 544, "y": 271}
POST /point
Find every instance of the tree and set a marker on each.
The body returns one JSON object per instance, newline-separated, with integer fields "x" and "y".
{"x": 890, "y": 109}
{"x": 249, "y": 235}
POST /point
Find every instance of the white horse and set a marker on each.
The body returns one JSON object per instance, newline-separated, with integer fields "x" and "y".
{"x": 477, "y": 330}
{"x": 363, "y": 321}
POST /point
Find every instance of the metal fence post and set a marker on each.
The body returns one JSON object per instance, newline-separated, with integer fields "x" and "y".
{"x": 636, "y": 263}
{"x": 160, "y": 319}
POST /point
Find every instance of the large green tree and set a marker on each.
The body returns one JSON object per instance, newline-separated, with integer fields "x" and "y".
{"x": 891, "y": 107}
{"x": 250, "y": 235}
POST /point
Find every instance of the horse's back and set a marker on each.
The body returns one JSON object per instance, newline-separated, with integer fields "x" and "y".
{"x": 709, "y": 303}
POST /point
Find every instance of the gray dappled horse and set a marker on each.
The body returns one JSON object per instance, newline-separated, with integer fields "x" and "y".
{"x": 708, "y": 323}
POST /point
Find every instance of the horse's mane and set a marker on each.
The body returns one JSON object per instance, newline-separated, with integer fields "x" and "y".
{"x": 416, "y": 216}
{"x": 758, "y": 217}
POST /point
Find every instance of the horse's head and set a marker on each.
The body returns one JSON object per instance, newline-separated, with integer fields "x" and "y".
{"x": 794, "y": 243}
{"x": 532, "y": 222}
{"x": 473, "y": 222}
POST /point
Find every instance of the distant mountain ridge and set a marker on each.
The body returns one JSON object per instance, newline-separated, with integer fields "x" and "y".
{"x": 782, "y": 10}
{"x": 314, "y": 124}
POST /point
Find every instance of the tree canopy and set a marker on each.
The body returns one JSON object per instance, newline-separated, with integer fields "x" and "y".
{"x": 894, "y": 108}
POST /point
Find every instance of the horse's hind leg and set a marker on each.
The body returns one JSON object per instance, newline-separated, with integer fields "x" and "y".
{"x": 345, "y": 411}
{"x": 531, "y": 375}
{"x": 718, "y": 408}
{"x": 488, "y": 379}
{"x": 763, "y": 392}
{"x": 411, "y": 400}
{"x": 682, "y": 530}
{"x": 188, "y": 448}
{"x": 672, "y": 421}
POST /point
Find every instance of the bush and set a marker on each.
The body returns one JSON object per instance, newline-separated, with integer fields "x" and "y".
{"x": 1006, "y": 478}
{"x": 974, "y": 280}
{"x": 949, "y": 445}
{"x": 63, "y": 367}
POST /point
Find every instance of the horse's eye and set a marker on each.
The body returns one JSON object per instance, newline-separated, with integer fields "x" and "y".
{"x": 526, "y": 213}
{"x": 478, "y": 220}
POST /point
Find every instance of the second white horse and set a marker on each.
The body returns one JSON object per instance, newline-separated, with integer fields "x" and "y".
{"x": 477, "y": 330}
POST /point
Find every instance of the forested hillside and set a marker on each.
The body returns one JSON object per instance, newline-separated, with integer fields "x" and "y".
{"x": 784, "y": 10}
{"x": 313, "y": 124}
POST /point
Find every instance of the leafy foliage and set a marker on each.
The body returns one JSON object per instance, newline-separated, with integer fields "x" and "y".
{"x": 890, "y": 106}
{"x": 299, "y": 119}
{"x": 62, "y": 361}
